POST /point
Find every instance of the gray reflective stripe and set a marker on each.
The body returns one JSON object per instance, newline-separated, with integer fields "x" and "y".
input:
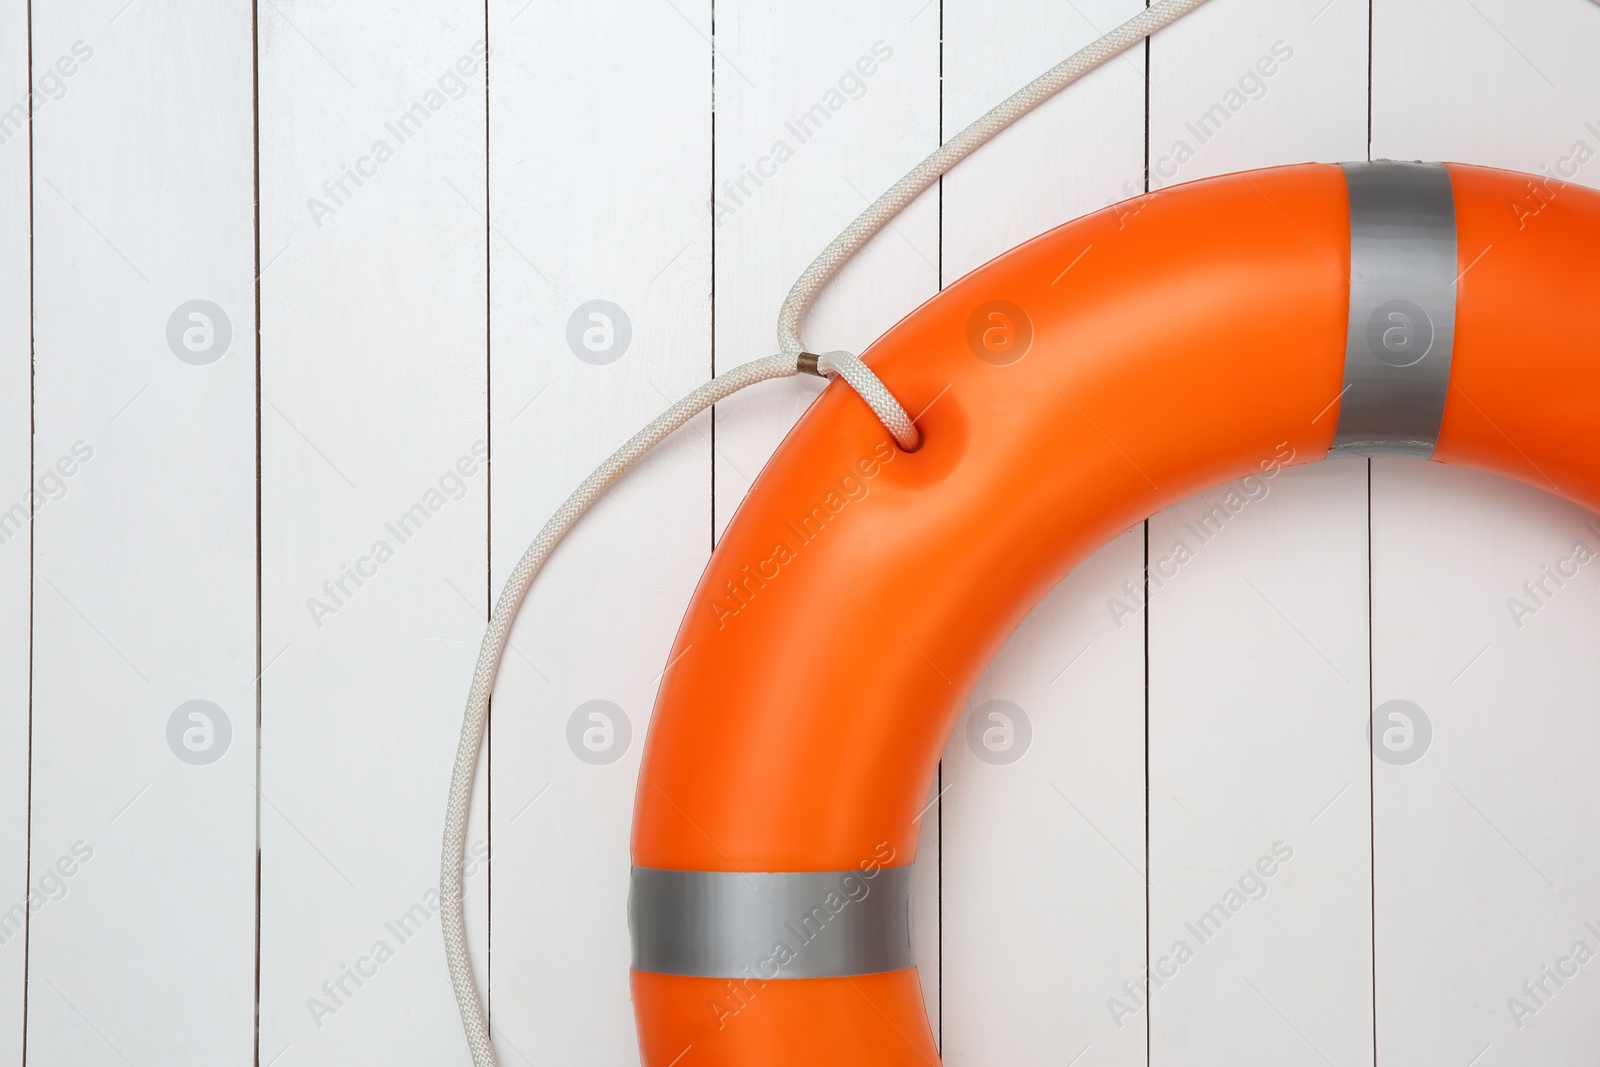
{"x": 806, "y": 924}
{"x": 1402, "y": 309}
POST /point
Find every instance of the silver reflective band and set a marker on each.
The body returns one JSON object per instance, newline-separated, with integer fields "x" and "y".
{"x": 1402, "y": 324}
{"x": 806, "y": 924}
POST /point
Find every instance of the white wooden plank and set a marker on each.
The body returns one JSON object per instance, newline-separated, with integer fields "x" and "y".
{"x": 1484, "y": 860}
{"x": 1044, "y": 857}
{"x": 16, "y": 477}
{"x": 375, "y": 373}
{"x": 142, "y": 949}
{"x": 1044, "y": 860}
{"x": 819, "y": 109}
{"x": 600, "y": 149}
{"x": 1486, "y": 870}
{"x": 1258, "y": 773}
{"x": 1258, "y": 643}
{"x": 375, "y": 497}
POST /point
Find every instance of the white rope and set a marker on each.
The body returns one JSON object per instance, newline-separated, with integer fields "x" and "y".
{"x": 924, "y": 174}
{"x": 841, "y": 364}
{"x": 494, "y": 646}
{"x": 871, "y": 389}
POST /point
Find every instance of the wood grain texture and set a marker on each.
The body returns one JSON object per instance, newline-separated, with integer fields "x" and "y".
{"x": 143, "y": 946}
{"x": 375, "y": 516}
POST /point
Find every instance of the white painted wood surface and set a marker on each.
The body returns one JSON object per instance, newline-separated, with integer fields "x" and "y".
{"x": 16, "y": 482}
{"x": 430, "y": 302}
{"x": 375, "y": 493}
{"x": 142, "y": 948}
{"x": 627, "y": 226}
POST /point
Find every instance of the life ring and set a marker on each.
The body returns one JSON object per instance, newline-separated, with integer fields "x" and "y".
{"x": 1067, "y": 390}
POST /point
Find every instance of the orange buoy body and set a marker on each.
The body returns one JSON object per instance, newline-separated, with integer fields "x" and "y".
{"x": 1066, "y": 390}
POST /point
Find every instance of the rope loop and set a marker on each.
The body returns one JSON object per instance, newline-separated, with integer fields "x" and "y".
{"x": 870, "y": 388}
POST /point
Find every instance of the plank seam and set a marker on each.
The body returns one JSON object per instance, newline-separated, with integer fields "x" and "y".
{"x": 260, "y": 685}
{"x": 33, "y": 430}
{"x": 1372, "y": 809}
{"x": 488, "y": 525}
{"x": 1150, "y": 1011}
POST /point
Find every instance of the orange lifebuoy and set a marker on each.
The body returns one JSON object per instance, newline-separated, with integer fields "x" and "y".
{"x": 1066, "y": 391}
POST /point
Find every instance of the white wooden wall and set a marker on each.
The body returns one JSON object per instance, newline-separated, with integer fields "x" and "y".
{"x": 398, "y": 214}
